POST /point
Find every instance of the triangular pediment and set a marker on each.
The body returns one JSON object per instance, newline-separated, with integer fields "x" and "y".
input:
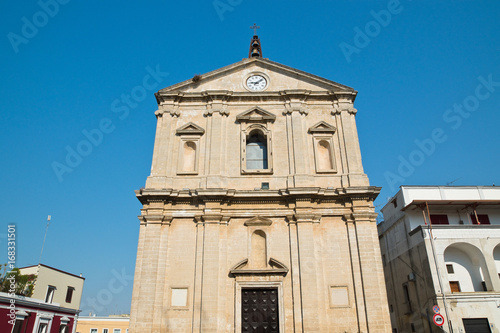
{"x": 232, "y": 78}
{"x": 258, "y": 221}
{"x": 190, "y": 128}
{"x": 322, "y": 127}
{"x": 255, "y": 114}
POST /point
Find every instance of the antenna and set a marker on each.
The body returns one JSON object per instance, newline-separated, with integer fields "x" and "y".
{"x": 43, "y": 244}
{"x": 449, "y": 183}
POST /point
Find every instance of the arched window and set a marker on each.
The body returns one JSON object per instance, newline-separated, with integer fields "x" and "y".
{"x": 189, "y": 158}
{"x": 256, "y": 151}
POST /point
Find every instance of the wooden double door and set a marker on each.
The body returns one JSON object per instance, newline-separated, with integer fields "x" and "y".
{"x": 259, "y": 310}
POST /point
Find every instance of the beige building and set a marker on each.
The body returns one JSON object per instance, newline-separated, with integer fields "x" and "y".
{"x": 53, "y": 306}
{"x": 111, "y": 324}
{"x": 441, "y": 247}
{"x": 257, "y": 215}
{"x": 55, "y": 286}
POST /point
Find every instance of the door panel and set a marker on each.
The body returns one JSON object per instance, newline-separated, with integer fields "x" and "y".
{"x": 259, "y": 310}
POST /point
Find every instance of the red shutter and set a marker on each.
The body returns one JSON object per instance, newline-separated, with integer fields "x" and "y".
{"x": 439, "y": 219}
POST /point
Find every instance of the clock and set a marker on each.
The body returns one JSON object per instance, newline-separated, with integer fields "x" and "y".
{"x": 256, "y": 82}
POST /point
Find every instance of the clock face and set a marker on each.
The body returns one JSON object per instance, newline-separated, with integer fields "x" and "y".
{"x": 256, "y": 82}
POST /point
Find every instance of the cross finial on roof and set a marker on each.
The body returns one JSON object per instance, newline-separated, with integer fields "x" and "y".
{"x": 255, "y": 27}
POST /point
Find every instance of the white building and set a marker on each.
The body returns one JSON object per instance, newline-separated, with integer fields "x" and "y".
{"x": 452, "y": 262}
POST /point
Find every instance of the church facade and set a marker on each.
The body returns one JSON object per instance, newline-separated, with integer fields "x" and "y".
{"x": 257, "y": 215}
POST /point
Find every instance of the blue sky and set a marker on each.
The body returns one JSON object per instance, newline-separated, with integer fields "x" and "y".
{"x": 427, "y": 72}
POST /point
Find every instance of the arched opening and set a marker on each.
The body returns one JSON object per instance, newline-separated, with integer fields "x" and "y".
{"x": 256, "y": 151}
{"x": 324, "y": 155}
{"x": 496, "y": 256}
{"x": 464, "y": 266}
{"x": 189, "y": 158}
{"x": 258, "y": 257}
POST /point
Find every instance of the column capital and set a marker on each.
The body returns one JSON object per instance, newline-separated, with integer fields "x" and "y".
{"x": 303, "y": 218}
{"x": 155, "y": 219}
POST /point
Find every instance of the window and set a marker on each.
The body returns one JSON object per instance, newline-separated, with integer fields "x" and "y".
{"x": 105, "y": 330}
{"x": 483, "y": 219}
{"x": 406, "y": 295}
{"x": 117, "y": 330}
{"x": 69, "y": 294}
{"x": 17, "y": 326}
{"x": 256, "y": 151}
{"x": 256, "y": 155}
{"x": 93, "y": 330}
{"x": 439, "y": 219}
{"x": 483, "y": 284}
{"x": 476, "y": 325}
{"x": 63, "y": 328}
{"x": 256, "y": 142}
{"x": 50, "y": 294}
{"x": 42, "y": 328}
{"x": 449, "y": 268}
{"x": 455, "y": 286}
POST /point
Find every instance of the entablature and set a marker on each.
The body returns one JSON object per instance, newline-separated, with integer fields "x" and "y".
{"x": 283, "y": 196}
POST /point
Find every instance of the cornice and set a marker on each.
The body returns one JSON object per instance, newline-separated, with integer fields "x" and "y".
{"x": 170, "y": 101}
{"x": 317, "y": 194}
{"x": 29, "y": 302}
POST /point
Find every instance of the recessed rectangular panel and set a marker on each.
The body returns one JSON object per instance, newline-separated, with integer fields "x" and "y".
{"x": 339, "y": 296}
{"x": 179, "y": 297}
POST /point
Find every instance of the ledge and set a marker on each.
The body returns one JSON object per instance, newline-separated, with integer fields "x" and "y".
{"x": 454, "y": 226}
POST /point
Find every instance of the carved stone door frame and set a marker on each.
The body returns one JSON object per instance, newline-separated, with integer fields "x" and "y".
{"x": 257, "y": 285}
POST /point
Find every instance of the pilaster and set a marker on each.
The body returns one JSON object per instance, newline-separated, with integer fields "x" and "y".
{"x": 211, "y": 279}
{"x": 163, "y": 153}
{"x": 372, "y": 271}
{"x": 135, "y": 305}
{"x": 159, "y": 320}
{"x": 296, "y": 110}
{"x": 357, "y": 274}
{"x": 216, "y": 113}
{"x": 295, "y": 275}
{"x": 147, "y": 295}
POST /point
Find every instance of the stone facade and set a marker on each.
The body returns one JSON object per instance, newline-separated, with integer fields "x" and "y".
{"x": 297, "y": 220}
